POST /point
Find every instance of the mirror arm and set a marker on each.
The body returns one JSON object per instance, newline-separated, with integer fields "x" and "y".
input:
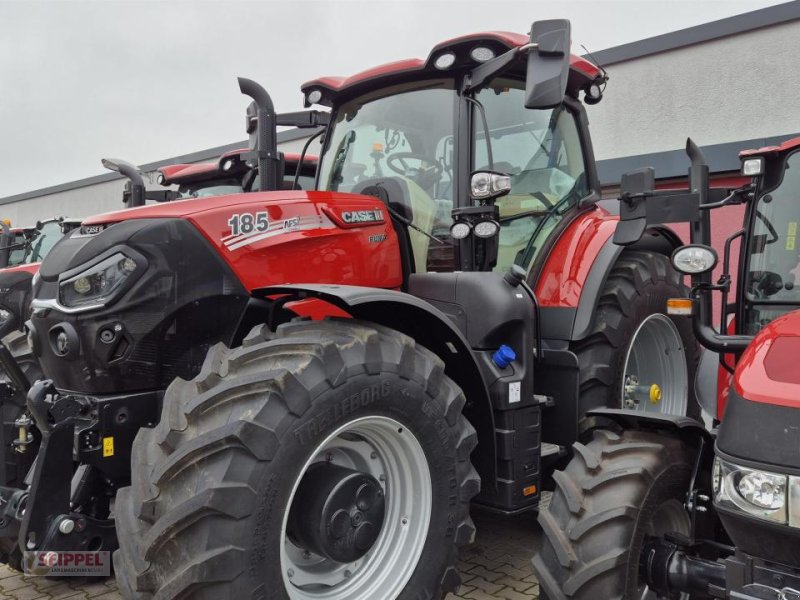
{"x": 478, "y": 77}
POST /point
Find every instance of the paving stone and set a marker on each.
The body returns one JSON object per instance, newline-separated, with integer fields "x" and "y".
{"x": 496, "y": 567}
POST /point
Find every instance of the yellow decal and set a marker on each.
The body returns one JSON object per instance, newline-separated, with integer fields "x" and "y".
{"x": 108, "y": 447}
{"x": 792, "y": 231}
{"x": 790, "y": 243}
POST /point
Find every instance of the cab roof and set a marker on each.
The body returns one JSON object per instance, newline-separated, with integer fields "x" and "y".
{"x": 582, "y": 72}
{"x": 786, "y": 146}
{"x": 186, "y": 173}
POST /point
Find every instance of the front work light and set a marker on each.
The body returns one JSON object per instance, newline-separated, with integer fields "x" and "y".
{"x": 486, "y": 229}
{"x": 481, "y": 54}
{"x": 460, "y": 230}
{"x": 444, "y": 61}
{"x": 753, "y": 166}
{"x": 314, "y": 96}
{"x": 694, "y": 259}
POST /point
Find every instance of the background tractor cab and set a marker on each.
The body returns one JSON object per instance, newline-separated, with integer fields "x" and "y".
{"x": 455, "y": 221}
{"x": 704, "y": 514}
{"x": 231, "y": 174}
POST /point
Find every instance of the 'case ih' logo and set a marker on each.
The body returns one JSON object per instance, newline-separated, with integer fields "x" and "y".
{"x": 362, "y": 216}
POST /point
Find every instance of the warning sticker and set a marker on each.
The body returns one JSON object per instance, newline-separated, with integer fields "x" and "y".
{"x": 514, "y": 392}
{"x": 108, "y": 447}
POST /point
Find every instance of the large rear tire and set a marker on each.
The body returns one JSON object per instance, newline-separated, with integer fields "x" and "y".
{"x": 616, "y": 490}
{"x": 224, "y": 488}
{"x": 633, "y": 345}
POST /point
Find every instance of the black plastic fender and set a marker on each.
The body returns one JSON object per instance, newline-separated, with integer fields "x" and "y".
{"x": 691, "y": 430}
{"x": 430, "y": 327}
{"x": 655, "y": 239}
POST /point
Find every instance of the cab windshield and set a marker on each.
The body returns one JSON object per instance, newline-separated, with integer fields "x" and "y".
{"x": 541, "y": 150}
{"x": 773, "y": 276}
{"x": 404, "y": 134}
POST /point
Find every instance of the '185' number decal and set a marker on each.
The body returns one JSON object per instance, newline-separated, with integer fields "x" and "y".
{"x": 245, "y": 223}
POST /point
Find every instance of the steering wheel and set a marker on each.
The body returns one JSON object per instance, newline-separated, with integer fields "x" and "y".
{"x": 427, "y": 168}
{"x": 766, "y": 284}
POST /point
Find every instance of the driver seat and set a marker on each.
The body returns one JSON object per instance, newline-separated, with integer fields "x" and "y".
{"x": 407, "y": 199}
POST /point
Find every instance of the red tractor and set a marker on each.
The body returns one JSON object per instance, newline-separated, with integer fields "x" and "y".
{"x": 654, "y": 506}
{"x": 202, "y": 419}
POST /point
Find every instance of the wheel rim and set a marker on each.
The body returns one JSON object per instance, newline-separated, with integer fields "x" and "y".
{"x": 384, "y": 449}
{"x": 670, "y": 516}
{"x": 655, "y": 375}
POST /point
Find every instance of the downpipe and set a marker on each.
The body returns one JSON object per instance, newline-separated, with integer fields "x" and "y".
{"x": 267, "y": 146}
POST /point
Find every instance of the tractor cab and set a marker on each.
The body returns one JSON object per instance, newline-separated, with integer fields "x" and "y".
{"x": 450, "y": 138}
{"x": 771, "y": 265}
{"x": 31, "y": 244}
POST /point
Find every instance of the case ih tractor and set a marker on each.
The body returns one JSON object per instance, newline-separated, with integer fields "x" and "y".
{"x": 657, "y": 507}
{"x": 202, "y": 417}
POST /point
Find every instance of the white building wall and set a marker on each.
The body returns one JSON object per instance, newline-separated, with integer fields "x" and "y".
{"x": 736, "y": 88}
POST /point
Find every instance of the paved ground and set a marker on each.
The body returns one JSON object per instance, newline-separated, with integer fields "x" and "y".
{"x": 496, "y": 567}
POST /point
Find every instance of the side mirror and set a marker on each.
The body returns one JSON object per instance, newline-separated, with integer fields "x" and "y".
{"x": 548, "y": 63}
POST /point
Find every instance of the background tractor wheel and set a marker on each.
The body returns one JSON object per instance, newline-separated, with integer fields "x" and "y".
{"x": 329, "y": 460}
{"x": 616, "y": 490}
{"x": 636, "y": 356}
{"x": 14, "y": 469}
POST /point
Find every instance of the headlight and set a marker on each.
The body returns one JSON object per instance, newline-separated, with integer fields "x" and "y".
{"x": 694, "y": 259}
{"x": 763, "y": 490}
{"x": 758, "y": 493}
{"x": 97, "y": 284}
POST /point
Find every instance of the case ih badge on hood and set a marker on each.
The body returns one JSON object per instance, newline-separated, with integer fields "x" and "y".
{"x": 362, "y": 216}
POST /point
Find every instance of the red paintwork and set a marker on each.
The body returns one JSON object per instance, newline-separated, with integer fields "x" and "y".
{"x": 784, "y": 147}
{"x": 31, "y": 268}
{"x": 767, "y": 370}
{"x": 580, "y": 65}
{"x": 727, "y": 182}
{"x": 321, "y": 253}
{"x": 569, "y": 262}
{"x": 724, "y": 378}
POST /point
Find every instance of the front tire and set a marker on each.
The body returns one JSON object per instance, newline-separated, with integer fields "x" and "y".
{"x": 616, "y": 490}
{"x": 225, "y": 493}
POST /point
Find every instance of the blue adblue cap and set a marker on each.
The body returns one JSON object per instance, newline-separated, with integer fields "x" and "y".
{"x": 504, "y": 356}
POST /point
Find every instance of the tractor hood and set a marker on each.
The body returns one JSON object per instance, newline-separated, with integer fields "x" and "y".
{"x": 762, "y": 415}
{"x": 192, "y": 206}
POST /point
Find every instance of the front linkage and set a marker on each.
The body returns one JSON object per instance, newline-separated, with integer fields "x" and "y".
{"x": 67, "y": 509}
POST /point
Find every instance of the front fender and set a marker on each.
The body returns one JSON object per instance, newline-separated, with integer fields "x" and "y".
{"x": 430, "y": 327}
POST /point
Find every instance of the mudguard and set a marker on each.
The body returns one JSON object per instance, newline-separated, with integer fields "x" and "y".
{"x": 428, "y": 326}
